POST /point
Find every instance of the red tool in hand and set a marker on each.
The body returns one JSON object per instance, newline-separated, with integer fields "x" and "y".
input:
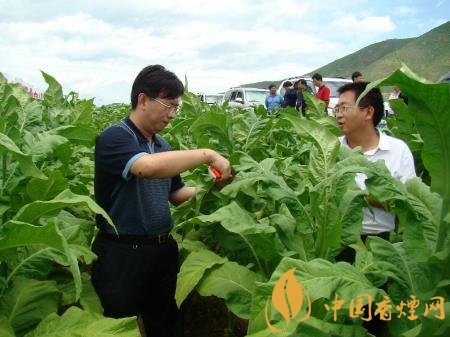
{"x": 214, "y": 173}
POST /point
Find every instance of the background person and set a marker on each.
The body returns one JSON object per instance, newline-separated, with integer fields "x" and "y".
{"x": 273, "y": 100}
{"x": 323, "y": 92}
{"x": 303, "y": 87}
{"x": 357, "y": 77}
{"x": 290, "y": 95}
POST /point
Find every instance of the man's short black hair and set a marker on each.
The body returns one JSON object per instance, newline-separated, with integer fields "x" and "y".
{"x": 355, "y": 75}
{"x": 303, "y": 81}
{"x": 287, "y": 84}
{"x": 372, "y": 98}
{"x": 271, "y": 86}
{"x": 156, "y": 81}
{"x": 317, "y": 76}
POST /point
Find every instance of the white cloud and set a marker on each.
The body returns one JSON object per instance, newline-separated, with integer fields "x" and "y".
{"x": 86, "y": 53}
{"x": 405, "y": 10}
{"x": 349, "y": 24}
{"x": 97, "y": 47}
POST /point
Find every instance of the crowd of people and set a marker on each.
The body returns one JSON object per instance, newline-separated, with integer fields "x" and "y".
{"x": 294, "y": 94}
{"x": 137, "y": 175}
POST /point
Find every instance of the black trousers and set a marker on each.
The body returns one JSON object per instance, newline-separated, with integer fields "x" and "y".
{"x": 138, "y": 280}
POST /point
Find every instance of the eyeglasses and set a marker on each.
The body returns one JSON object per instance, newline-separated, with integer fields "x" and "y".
{"x": 175, "y": 109}
{"x": 345, "y": 108}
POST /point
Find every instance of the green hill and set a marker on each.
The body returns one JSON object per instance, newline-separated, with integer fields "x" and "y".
{"x": 428, "y": 55}
{"x": 360, "y": 60}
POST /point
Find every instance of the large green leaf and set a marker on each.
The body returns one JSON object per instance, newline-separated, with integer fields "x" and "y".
{"x": 250, "y": 234}
{"x": 316, "y": 107}
{"x": 41, "y": 145}
{"x": 252, "y": 174}
{"x": 30, "y": 116}
{"x": 6, "y": 329}
{"x": 409, "y": 276}
{"x": 38, "y": 189}
{"x": 295, "y": 233}
{"x": 314, "y": 327}
{"x": 236, "y": 220}
{"x": 233, "y": 283}
{"x": 430, "y": 106}
{"x": 18, "y": 234}
{"x": 32, "y": 261}
{"x": 192, "y": 270}
{"x": 336, "y": 204}
{"x": 89, "y": 299}
{"x": 321, "y": 280}
{"x": 325, "y": 150}
{"x": 78, "y": 323}
{"x": 77, "y": 231}
{"x": 33, "y": 211}
{"x": 25, "y": 161}
{"x": 212, "y": 129}
{"x": 421, "y": 234}
{"x": 436, "y": 327}
{"x": 28, "y": 301}
{"x": 54, "y": 94}
{"x": 75, "y": 133}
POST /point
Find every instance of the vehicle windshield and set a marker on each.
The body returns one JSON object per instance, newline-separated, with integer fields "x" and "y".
{"x": 256, "y": 96}
{"x": 211, "y": 99}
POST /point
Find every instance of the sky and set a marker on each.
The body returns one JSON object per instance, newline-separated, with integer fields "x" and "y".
{"x": 97, "y": 48}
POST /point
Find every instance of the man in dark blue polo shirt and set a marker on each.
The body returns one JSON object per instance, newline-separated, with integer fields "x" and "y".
{"x": 136, "y": 175}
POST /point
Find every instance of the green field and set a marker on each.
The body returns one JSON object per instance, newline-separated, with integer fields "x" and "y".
{"x": 277, "y": 228}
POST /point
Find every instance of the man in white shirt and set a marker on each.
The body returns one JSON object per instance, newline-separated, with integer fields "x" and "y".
{"x": 358, "y": 124}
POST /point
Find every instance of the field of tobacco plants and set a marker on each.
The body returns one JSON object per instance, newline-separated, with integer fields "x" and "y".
{"x": 264, "y": 246}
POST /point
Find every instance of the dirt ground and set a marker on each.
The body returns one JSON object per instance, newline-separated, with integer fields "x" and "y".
{"x": 209, "y": 317}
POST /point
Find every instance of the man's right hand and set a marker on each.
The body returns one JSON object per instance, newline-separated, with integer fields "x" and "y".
{"x": 223, "y": 166}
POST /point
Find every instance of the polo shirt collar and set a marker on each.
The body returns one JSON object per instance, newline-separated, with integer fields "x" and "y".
{"x": 383, "y": 144}
{"x": 138, "y": 133}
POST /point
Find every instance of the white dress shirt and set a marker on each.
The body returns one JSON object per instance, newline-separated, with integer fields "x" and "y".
{"x": 400, "y": 162}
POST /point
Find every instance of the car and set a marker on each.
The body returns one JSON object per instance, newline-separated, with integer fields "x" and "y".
{"x": 211, "y": 98}
{"x": 334, "y": 83}
{"x": 245, "y": 97}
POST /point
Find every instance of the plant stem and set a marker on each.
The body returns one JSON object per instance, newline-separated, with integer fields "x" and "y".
{"x": 254, "y": 255}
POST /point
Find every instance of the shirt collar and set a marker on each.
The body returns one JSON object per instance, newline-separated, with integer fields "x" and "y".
{"x": 138, "y": 133}
{"x": 383, "y": 143}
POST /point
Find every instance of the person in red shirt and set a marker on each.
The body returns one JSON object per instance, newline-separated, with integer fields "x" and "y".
{"x": 323, "y": 92}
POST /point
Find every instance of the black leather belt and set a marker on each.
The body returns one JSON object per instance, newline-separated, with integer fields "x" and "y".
{"x": 138, "y": 239}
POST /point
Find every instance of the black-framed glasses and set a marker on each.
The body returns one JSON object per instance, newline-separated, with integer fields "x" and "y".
{"x": 175, "y": 109}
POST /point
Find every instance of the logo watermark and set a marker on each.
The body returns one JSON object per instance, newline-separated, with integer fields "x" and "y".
{"x": 289, "y": 296}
